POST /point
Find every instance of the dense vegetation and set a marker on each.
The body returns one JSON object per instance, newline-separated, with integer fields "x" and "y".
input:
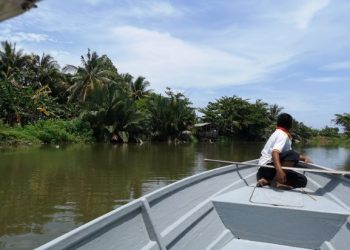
{"x": 42, "y": 102}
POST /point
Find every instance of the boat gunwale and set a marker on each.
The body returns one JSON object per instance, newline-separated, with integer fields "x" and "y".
{"x": 345, "y": 177}
{"x": 187, "y": 181}
{"x": 138, "y": 203}
{"x": 172, "y": 231}
{"x": 90, "y": 226}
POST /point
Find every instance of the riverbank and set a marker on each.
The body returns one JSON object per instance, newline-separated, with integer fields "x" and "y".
{"x": 78, "y": 131}
{"x": 339, "y": 141}
{"x": 48, "y": 131}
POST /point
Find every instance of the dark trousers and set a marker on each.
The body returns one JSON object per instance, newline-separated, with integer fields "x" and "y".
{"x": 294, "y": 179}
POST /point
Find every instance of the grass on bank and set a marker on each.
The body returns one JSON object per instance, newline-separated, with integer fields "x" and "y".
{"x": 46, "y": 131}
{"x": 342, "y": 141}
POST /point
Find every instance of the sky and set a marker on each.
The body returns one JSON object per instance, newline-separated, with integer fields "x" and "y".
{"x": 294, "y": 53}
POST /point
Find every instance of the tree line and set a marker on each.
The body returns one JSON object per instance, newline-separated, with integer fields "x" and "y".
{"x": 95, "y": 102}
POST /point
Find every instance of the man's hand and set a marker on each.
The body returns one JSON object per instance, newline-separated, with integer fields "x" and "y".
{"x": 280, "y": 177}
{"x": 305, "y": 159}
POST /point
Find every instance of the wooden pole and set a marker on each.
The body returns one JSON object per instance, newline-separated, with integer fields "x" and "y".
{"x": 339, "y": 172}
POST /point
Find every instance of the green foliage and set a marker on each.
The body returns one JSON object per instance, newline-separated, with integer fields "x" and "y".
{"x": 16, "y": 104}
{"x": 60, "y": 131}
{"x": 9, "y": 102}
{"x": 15, "y": 136}
{"x": 302, "y": 132}
{"x": 329, "y": 132}
{"x": 94, "y": 72}
{"x": 45, "y": 71}
{"x": 35, "y": 92}
{"x": 23, "y": 105}
{"x": 273, "y": 111}
{"x": 13, "y": 64}
{"x": 47, "y": 131}
{"x": 236, "y": 117}
{"x": 139, "y": 88}
{"x": 344, "y": 121}
{"x": 170, "y": 115}
{"x": 327, "y": 141}
{"x": 31, "y": 87}
{"x": 112, "y": 113}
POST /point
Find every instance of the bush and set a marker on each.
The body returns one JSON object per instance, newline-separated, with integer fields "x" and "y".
{"x": 238, "y": 118}
{"x": 60, "y": 131}
{"x": 15, "y": 135}
{"x": 344, "y": 121}
{"x": 47, "y": 131}
{"x": 329, "y": 132}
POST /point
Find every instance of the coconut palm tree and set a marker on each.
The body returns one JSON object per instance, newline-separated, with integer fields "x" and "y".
{"x": 126, "y": 78}
{"x": 123, "y": 82}
{"x": 139, "y": 88}
{"x": 92, "y": 74}
{"x": 274, "y": 111}
{"x": 46, "y": 69}
{"x": 12, "y": 63}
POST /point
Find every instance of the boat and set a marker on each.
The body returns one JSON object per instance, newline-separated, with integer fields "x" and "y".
{"x": 223, "y": 209}
{"x": 9, "y": 9}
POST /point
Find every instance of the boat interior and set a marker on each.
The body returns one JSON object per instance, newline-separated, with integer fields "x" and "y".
{"x": 223, "y": 209}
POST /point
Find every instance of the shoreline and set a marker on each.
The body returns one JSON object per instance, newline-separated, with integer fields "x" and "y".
{"x": 17, "y": 138}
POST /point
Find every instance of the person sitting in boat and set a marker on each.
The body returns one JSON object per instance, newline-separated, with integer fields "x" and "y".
{"x": 278, "y": 152}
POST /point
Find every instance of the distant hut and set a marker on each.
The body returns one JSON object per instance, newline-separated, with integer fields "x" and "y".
{"x": 206, "y": 131}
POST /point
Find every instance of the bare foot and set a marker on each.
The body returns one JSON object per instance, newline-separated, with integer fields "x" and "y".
{"x": 281, "y": 186}
{"x": 262, "y": 182}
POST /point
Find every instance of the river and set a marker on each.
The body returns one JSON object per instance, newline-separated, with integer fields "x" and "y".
{"x": 49, "y": 190}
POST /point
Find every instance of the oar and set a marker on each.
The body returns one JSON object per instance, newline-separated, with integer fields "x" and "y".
{"x": 286, "y": 168}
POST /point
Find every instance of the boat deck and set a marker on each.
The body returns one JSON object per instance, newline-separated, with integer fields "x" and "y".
{"x": 291, "y": 218}
{"x": 238, "y": 244}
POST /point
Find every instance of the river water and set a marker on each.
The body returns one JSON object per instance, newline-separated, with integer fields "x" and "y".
{"x": 47, "y": 191}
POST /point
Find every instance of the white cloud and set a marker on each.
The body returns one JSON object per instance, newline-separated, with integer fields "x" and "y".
{"x": 326, "y": 79}
{"x": 8, "y": 33}
{"x": 94, "y": 2}
{"x": 23, "y": 36}
{"x": 139, "y": 9}
{"x": 63, "y": 57}
{"x": 136, "y": 9}
{"x": 149, "y": 9}
{"x": 343, "y": 65}
{"x": 304, "y": 15}
{"x": 162, "y": 57}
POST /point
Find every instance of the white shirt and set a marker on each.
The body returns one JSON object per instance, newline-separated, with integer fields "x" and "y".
{"x": 279, "y": 141}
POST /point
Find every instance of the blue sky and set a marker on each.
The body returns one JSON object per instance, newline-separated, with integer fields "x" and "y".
{"x": 294, "y": 53}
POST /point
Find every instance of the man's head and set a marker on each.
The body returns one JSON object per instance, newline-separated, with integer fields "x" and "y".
{"x": 285, "y": 120}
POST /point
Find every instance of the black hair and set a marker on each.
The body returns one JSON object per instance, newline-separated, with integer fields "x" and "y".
{"x": 285, "y": 120}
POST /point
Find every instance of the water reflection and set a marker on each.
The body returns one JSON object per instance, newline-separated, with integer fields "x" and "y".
{"x": 332, "y": 157}
{"x": 46, "y": 191}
